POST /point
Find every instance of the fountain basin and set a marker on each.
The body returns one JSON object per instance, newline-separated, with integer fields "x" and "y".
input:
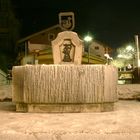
{"x": 64, "y": 88}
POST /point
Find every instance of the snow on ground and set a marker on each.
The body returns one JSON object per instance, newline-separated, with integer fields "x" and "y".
{"x": 5, "y": 92}
{"x": 129, "y": 91}
{"x": 121, "y": 124}
{"x": 125, "y": 91}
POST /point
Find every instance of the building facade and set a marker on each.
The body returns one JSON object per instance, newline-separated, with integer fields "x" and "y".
{"x": 36, "y": 48}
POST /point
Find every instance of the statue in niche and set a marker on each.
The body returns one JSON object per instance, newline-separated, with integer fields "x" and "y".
{"x": 68, "y": 50}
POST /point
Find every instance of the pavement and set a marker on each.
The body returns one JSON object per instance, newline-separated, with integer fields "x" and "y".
{"x": 121, "y": 124}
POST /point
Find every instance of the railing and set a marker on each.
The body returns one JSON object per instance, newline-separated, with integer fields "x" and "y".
{"x": 2, "y": 73}
{"x": 3, "y": 78}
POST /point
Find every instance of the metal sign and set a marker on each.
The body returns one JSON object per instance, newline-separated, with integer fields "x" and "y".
{"x": 66, "y": 20}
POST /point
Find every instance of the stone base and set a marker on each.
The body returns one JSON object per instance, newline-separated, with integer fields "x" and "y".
{"x": 64, "y": 108}
{"x": 64, "y": 88}
{"x": 21, "y": 107}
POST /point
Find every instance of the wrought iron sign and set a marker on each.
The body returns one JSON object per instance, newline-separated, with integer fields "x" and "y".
{"x": 66, "y": 20}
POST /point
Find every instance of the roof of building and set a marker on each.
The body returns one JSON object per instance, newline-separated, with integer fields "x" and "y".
{"x": 37, "y": 33}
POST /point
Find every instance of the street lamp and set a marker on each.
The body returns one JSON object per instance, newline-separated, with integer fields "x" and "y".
{"x": 129, "y": 48}
{"x": 88, "y": 39}
{"x": 137, "y": 49}
{"x": 36, "y": 51}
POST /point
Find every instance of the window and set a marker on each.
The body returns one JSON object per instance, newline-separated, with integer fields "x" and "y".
{"x": 98, "y": 55}
{"x": 51, "y": 36}
{"x": 96, "y": 47}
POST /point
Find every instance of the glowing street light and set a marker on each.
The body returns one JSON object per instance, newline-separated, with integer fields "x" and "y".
{"x": 129, "y": 48}
{"x": 88, "y": 39}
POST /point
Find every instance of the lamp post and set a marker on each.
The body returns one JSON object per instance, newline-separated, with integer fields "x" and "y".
{"x": 138, "y": 53}
{"x": 137, "y": 49}
{"x": 88, "y": 39}
{"x": 36, "y": 51}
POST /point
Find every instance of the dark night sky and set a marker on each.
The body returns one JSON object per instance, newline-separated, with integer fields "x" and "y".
{"x": 113, "y": 22}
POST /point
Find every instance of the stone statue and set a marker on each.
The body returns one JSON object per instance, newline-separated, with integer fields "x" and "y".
{"x": 67, "y": 49}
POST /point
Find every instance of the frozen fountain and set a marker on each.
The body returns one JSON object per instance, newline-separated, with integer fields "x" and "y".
{"x": 67, "y": 85}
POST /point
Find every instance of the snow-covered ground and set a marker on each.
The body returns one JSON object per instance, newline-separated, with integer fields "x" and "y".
{"x": 121, "y": 124}
{"x": 129, "y": 91}
{"x": 5, "y": 92}
{"x": 126, "y": 91}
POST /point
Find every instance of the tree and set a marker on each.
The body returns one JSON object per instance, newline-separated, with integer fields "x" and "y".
{"x": 125, "y": 56}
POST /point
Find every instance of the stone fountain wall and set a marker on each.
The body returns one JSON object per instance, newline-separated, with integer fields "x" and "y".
{"x": 64, "y": 88}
